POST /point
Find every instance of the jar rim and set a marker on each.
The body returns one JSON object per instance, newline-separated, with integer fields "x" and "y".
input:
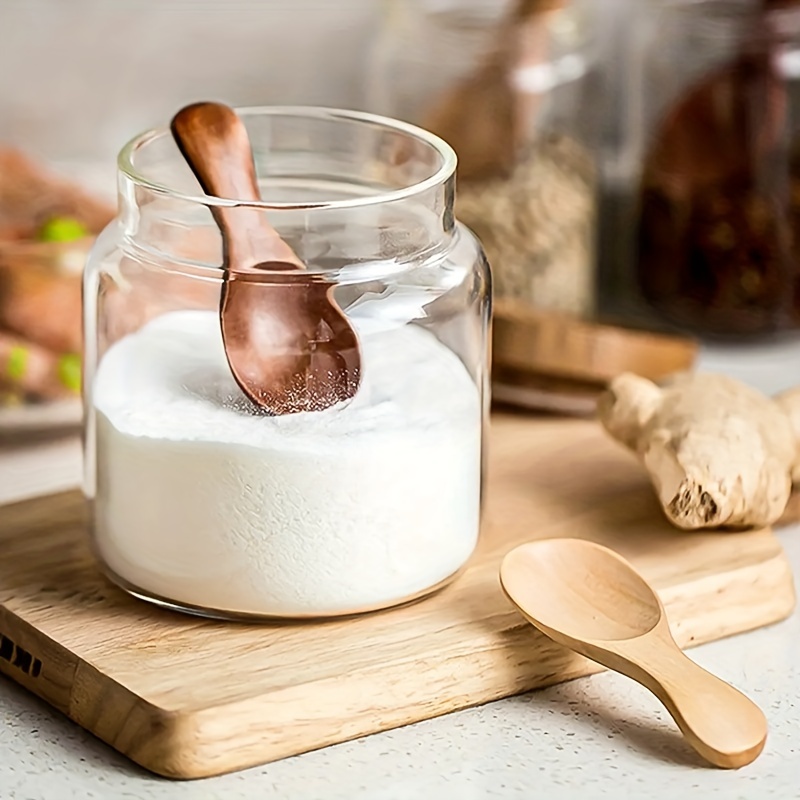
{"x": 125, "y": 161}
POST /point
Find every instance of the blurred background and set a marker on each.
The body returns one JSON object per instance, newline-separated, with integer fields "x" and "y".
{"x": 81, "y": 77}
{"x": 626, "y": 163}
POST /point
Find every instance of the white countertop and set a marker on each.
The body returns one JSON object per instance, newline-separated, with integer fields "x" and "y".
{"x": 602, "y": 736}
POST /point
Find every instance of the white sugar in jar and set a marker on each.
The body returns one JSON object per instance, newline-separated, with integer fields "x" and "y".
{"x": 202, "y": 502}
{"x": 208, "y": 505}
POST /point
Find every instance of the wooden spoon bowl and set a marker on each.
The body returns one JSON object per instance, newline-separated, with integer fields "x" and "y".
{"x": 292, "y": 347}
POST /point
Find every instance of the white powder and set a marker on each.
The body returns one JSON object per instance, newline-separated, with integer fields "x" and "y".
{"x": 202, "y": 502}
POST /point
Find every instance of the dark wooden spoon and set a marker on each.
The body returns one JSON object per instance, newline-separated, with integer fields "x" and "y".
{"x": 289, "y": 346}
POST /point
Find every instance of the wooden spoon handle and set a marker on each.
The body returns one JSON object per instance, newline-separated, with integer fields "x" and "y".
{"x": 725, "y": 727}
{"x": 215, "y": 144}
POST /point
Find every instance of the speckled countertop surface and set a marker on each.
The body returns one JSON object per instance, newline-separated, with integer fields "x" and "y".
{"x": 602, "y": 736}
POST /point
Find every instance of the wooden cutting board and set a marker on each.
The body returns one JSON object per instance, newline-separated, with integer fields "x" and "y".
{"x": 187, "y": 697}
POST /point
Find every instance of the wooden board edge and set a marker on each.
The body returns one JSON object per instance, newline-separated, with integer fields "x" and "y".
{"x": 151, "y": 736}
{"x": 128, "y": 723}
{"x": 35, "y": 661}
{"x": 762, "y": 593}
{"x": 266, "y": 729}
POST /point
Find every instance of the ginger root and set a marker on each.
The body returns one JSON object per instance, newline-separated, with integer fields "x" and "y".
{"x": 719, "y": 453}
{"x": 789, "y": 401}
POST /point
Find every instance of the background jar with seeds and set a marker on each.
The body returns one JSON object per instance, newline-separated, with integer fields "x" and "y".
{"x": 513, "y": 87}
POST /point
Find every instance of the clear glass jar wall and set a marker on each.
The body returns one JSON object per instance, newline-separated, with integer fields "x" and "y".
{"x": 201, "y": 503}
{"x": 714, "y": 212}
{"x": 508, "y": 84}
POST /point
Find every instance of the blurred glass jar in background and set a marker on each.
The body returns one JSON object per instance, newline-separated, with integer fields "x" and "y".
{"x": 717, "y": 203}
{"x": 506, "y": 84}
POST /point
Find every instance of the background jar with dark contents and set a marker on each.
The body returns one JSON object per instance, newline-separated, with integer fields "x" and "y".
{"x": 508, "y": 85}
{"x": 716, "y": 229}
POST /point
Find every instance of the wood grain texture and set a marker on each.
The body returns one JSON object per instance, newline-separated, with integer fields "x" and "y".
{"x": 588, "y": 598}
{"x": 188, "y": 697}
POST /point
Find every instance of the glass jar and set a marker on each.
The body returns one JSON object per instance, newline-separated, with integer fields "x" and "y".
{"x": 202, "y": 503}
{"x": 508, "y": 85}
{"x": 717, "y": 200}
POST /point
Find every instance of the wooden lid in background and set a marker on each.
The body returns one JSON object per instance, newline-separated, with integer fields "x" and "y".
{"x": 539, "y": 353}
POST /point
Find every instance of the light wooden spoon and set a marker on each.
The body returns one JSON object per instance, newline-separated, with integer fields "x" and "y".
{"x": 591, "y": 600}
{"x": 289, "y": 345}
